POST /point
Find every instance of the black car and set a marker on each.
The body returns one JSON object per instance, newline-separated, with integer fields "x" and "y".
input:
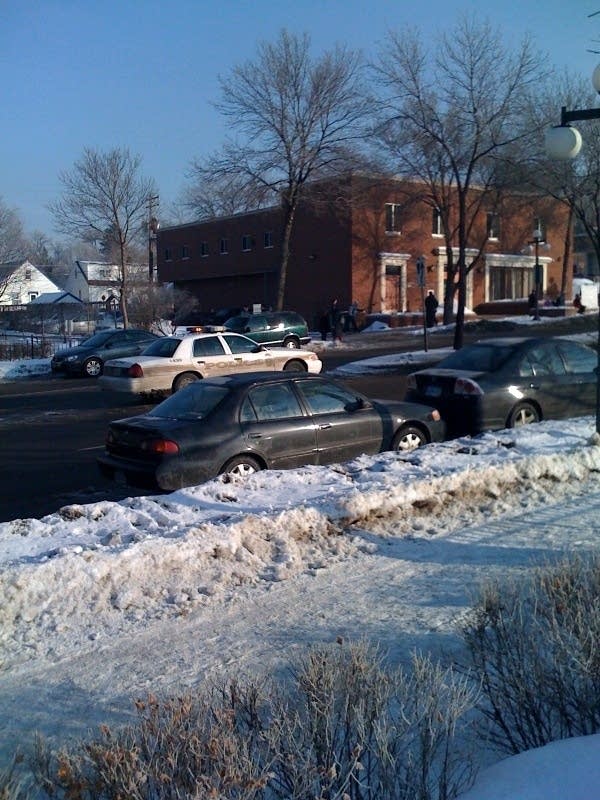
{"x": 272, "y": 328}
{"x": 243, "y": 423}
{"x": 503, "y": 383}
{"x": 88, "y": 358}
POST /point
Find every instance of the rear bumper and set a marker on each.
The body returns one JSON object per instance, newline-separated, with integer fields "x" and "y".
{"x": 128, "y": 472}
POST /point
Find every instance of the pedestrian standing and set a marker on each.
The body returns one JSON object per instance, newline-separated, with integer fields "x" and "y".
{"x": 335, "y": 321}
{"x": 431, "y": 306}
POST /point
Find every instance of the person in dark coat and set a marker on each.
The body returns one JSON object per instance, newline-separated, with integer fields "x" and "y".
{"x": 324, "y": 327}
{"x": 336, "y": 322}
{"x": 431, "y": 306}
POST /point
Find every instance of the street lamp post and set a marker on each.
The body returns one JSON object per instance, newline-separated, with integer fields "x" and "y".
{"x": 537, "y": 276}
{"x": 563, "y": 143}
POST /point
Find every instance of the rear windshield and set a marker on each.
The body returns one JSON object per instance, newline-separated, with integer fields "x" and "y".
{"x": 194, "y": 402}
{"x": 477, "y": 358}
{"x": 164, "y": 347}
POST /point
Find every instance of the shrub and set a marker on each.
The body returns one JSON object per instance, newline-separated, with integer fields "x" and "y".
{"x": 342, "y": 728}
{"x": 535, "y": 645}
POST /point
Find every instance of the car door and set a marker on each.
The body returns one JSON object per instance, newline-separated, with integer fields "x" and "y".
{"x": 581, "y": 364}
{"x": 247, "y": 355}
{"x": 274, "y": 424}
{"x": 346, "y": 426}
{"x": 546, "y": 380}
{"x": 210, "y": 357}
{"x": 122, "y": 343}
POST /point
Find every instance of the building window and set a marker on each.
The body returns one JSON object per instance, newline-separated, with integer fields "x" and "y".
{"x": 168, "y": 254}
{"x": 185, "y": 251}
{"x": 32, "y": 296}
{"x": 27, "y": 273}
{"x": 437, "y": 228}
{"x": 203, "y": 249}
{"x": 246, "y": 243}
{"x": 393, "y": 221}
{"x": 493, "y": 225}
{"x": 268, "y": 239}
{"x": 510, "y": 283}
{"x": 223, "y": 247}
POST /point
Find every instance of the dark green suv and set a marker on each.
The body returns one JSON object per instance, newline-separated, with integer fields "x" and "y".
{"x": 275, "y": 328}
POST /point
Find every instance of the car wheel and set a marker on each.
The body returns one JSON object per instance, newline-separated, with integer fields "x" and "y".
{"x": 408, "y": 438}
{"x": 292, "y": 342}
{"x": 183, "y": 380}
{"x": 241, "y": 466}
{"x": 93, "y": 367}
{"x": 295, "y": 366}
{"x": 523, "y": 414}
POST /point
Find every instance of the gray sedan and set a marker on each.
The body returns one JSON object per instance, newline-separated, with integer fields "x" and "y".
{"x": 504, "y": 383}
{"x": 239, "y": 424}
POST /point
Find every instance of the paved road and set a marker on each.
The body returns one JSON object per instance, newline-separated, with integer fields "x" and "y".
{"x": 53, "y": 428}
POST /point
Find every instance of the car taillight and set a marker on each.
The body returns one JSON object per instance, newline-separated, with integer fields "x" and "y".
{"x": 467, "y": 386}
{"x": 163, "y": 447}
{"x": 135, "y": 371}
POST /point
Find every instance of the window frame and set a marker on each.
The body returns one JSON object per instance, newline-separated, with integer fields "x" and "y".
{"x": 393, "y": 219}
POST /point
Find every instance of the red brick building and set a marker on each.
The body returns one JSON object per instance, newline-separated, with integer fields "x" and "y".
{"x": 360, "y": 241}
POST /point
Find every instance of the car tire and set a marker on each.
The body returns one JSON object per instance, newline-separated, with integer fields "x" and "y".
{"x": 523, "y": 414}
{"x": 183, "y": 380}
{"x": 93, "y": 367}
{"x": 241, "y": 467}
{"x": 292, "y": 343}
{"x": 408, "y": 438}
{"x": 295, "y": 366}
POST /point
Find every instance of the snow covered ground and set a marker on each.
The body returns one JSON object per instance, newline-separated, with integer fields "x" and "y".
{"x": 103, "y": 602}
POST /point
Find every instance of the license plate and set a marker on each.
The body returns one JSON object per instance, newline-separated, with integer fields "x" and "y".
{"x": 433, "y": 391}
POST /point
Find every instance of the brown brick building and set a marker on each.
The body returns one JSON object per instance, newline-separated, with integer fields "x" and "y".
{"x": 360, "y": 241}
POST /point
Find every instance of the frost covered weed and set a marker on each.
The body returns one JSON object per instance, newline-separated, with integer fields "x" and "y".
{"x": 343, "y": 727}
{"x": 535, "y": 646}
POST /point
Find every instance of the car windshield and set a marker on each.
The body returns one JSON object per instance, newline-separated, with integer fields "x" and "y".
{"x": 478, "y": 358}
{"x": 194, "y": 402}
{"x": 163, "y": 348}
{"x": 97, "y": 339}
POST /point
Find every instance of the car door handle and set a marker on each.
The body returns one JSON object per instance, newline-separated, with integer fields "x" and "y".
{"x": 238, "y": 358}
{"x": 255, "y": 435}
{"x": 324, "y": 425}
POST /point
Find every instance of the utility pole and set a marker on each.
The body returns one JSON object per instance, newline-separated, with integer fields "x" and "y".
{"x": 153, "y": 226}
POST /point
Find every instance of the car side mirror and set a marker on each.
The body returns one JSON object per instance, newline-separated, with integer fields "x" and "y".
{"x": 356, "y": 405}
{"x": 258, "y": 349}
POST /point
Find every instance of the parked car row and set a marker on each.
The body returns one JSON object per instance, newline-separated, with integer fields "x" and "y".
{"x": 237, "y": 406}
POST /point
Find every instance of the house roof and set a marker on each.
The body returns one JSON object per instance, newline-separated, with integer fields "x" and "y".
{"x": 54, "y": 298}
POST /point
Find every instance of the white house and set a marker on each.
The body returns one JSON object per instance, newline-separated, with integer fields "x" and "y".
{"x": 21, "y": 282}
{"x": 93, "y": 281}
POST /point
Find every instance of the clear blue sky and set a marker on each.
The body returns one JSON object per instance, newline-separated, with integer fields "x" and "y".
{"x": 142, "y": 74}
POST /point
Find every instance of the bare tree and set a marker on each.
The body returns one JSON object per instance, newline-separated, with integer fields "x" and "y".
{"x": 297, "y": 118}
{"x": 105, "y": 196}
{"x": 12, "y": 238}
{"x": 451, "y": 134}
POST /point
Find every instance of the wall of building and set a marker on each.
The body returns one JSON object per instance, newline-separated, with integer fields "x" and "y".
{"x": 342, "y": 248}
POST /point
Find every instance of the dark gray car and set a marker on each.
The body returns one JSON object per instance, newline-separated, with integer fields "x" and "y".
{"x": 240, "y": 424}
{"x": 88, "y": 358}
{"x": 503, "y": 383}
